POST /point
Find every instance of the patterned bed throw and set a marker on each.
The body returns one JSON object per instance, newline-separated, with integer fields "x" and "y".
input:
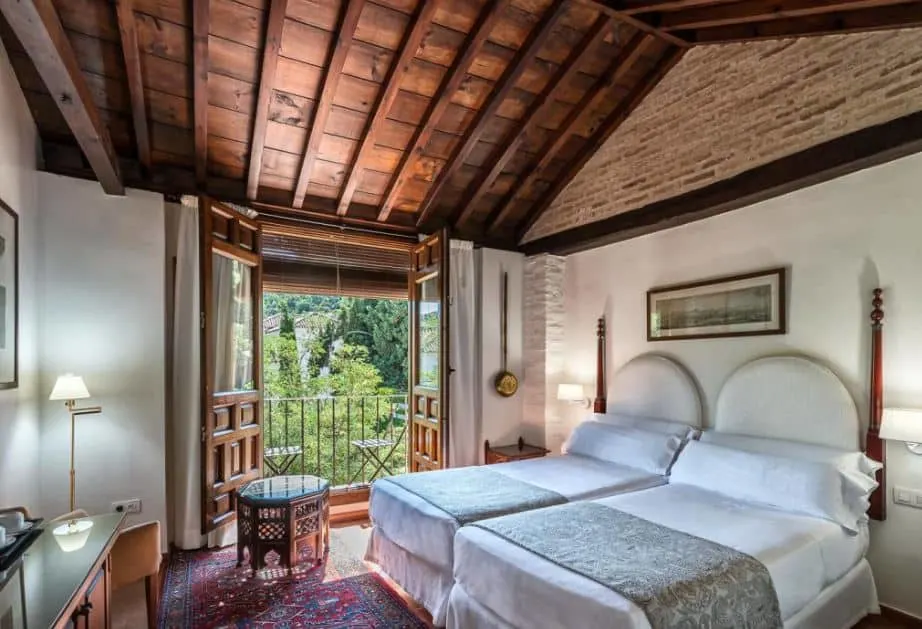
{"x": 469, "y": 494}
{"x": 678, "y": 580}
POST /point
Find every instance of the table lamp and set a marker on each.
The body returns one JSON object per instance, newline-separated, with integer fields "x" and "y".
{"x": 903, "y": 424}
{"x": 71, "y": 388}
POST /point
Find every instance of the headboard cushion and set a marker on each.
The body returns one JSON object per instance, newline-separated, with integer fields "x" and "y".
{"x": 788, "y": 397}
{"x": 657, "y": 387}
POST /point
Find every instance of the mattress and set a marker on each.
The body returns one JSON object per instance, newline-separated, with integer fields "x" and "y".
{"x": 428, "y": 532}
{"x": 803, "y": 556}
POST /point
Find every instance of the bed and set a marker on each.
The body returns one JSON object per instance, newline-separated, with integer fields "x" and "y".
{"x": 412, "y": 540}
{"x": 817, "y": 568}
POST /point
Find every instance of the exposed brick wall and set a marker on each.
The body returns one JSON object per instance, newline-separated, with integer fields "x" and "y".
{"x": 726, "y": 109}
{"x": 544, "y": 350}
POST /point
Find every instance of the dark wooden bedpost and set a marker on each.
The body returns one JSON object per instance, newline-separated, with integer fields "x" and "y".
{"x": 600, "y": 404}
{"x": 874, "y": 447}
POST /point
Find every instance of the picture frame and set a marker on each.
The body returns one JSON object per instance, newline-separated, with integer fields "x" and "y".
{"x": 749, "y": 304}
{"x": 9, "y": 297}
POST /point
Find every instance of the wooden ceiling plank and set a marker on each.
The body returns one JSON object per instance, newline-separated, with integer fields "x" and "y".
{"x": 523, "y": 57}
{"x": 334, "y": 71}
{"x": 755, "y": 11}
{"x": 200, "y": 20}
{"x": 132, "y": 54}
{"x": 835, "y": 158}
{"x": 39, "y": 30}
{"x": 627, "y": 57}
{"x": 510, "y": 144}
{"x": 632, "y": 7}
{"x": 834, "y": 23}
{"x": 486, "y": 20}
{"x": 270, "y": 59}
{"x": 419, "y": 27}
{"x": 608, "y": 126}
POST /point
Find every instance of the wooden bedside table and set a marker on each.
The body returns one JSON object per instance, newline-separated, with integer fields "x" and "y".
{"x": 517, "y": 452}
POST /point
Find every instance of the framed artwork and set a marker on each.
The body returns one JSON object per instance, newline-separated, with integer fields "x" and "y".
{"x": 9, "y": 297}
{"x": 741, "y": 305}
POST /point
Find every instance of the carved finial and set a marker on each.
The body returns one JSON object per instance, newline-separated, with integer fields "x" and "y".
{"x": 601, "y": 327}
{"x": 877, "y": 315}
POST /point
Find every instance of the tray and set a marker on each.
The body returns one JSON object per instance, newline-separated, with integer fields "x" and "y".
{"x": 14, "y": 551}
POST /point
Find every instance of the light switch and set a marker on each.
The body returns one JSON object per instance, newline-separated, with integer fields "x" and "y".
{"x": 907, "y": 496}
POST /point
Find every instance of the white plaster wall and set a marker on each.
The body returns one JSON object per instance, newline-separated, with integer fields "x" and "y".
{"x": 839, "y": 240}
{"x": 19, "y": 419}
{"x": 502, "y": 418}
{"x": 103, "y": 296}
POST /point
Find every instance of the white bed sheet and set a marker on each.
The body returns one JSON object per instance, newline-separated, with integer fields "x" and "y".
{"x": 428, "y": 532}
{"x": 803, "y": 555}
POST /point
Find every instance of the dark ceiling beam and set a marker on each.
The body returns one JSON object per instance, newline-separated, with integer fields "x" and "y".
{"x": 270, "y": 59}
{"x": 37, "y": 26}
{"x": 486, "y": 20}
{"x": 755, "y": 11}
{"x": 344, "y": 34}
{"x": 618, "y": 115}
{"x": 66, "y": 159}
{"x": 835, "y": 23}
{"x": 632, "y": 7}
{"x": 129, "y": 39}
{"x": 844, "y": 155}
{"x": 421, "y": 23}
{"x": 510, "y": 144}
{"x": 524, "y": 56}
{"x": 633, "y": 50}
{"x": 200, "y": 22}
{"x": 630, "y": 20}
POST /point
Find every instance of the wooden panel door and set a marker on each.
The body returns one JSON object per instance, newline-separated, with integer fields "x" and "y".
{"x": 232, "y": 441}
{"x": 429, "y": 370}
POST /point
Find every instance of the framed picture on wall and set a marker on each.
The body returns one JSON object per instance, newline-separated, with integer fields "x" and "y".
{"x": 9, "y": 297}
{"x": 740, "y": 305}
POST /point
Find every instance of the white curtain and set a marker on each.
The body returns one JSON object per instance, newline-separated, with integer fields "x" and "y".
{"x": 463, "y": 419}
{"x": 186, "y": 463}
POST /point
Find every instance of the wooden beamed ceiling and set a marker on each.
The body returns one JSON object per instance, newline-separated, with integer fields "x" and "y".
{"x": 405, "y": 115}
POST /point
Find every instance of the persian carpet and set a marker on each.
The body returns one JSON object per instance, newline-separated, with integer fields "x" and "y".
{"x": 205, "y": 590}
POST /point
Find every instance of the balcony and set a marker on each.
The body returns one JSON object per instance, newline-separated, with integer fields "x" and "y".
{"x": 349, "y": 440}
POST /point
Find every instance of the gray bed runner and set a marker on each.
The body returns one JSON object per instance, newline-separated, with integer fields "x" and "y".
{"x": 469, "y": 494}
{"x": 677, "y": 579}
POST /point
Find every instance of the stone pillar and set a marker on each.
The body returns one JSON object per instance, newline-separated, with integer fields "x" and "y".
{"x": 543, "y": 351}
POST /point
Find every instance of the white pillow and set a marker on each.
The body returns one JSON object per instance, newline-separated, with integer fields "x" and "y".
{"x": 812, "y": 488}
{"x": 649, "y": 451}
{"x": 854, "y": 464}
{"x": 662, "y": 426}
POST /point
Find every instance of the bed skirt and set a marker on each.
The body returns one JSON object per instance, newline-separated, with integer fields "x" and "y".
{"x": 425, "y": 583}
{"x": 840, "y": 606}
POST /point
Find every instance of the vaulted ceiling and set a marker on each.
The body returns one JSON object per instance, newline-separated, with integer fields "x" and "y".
{"x": 405, "y": 115}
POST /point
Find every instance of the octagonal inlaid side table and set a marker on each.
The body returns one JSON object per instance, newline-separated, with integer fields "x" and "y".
{"x": 280, "y": 514}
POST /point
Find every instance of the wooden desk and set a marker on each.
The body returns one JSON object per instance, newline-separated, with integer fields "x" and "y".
{"x": 53, "y": 589}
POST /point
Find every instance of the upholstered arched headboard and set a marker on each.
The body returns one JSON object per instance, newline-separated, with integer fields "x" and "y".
{"x": 788, "y": 397}
{"x": 656, "y": 387}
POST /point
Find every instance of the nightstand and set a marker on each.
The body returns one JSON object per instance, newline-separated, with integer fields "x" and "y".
{"x": 517, "y": 452}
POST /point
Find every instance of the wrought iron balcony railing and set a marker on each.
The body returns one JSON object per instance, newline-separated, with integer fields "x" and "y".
{"x": 350, "y": 441}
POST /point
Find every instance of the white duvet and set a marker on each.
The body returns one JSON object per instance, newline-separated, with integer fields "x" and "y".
{"x": 428, "y": 532}
{"x": 803, "y": 555}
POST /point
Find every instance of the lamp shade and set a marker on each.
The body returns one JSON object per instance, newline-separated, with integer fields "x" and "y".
{"x": 570, "y": 392}
{"x": 901, "y": 424}
{"x": 69, "y": 387}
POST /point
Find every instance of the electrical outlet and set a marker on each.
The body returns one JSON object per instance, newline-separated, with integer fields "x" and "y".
{"x": 908, "y": 497}
{"x": 132, "y": 505}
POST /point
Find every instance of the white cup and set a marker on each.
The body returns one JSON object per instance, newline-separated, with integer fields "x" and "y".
{"x": 2, "y": 537}
{"x": 12, "y": 521}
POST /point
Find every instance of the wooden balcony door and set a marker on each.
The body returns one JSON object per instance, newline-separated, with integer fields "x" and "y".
{"x": 429, "y": 370}
{"x": 231, "y": 292}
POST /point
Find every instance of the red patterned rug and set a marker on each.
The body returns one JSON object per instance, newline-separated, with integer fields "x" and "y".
{"x": 205, "y": 590}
